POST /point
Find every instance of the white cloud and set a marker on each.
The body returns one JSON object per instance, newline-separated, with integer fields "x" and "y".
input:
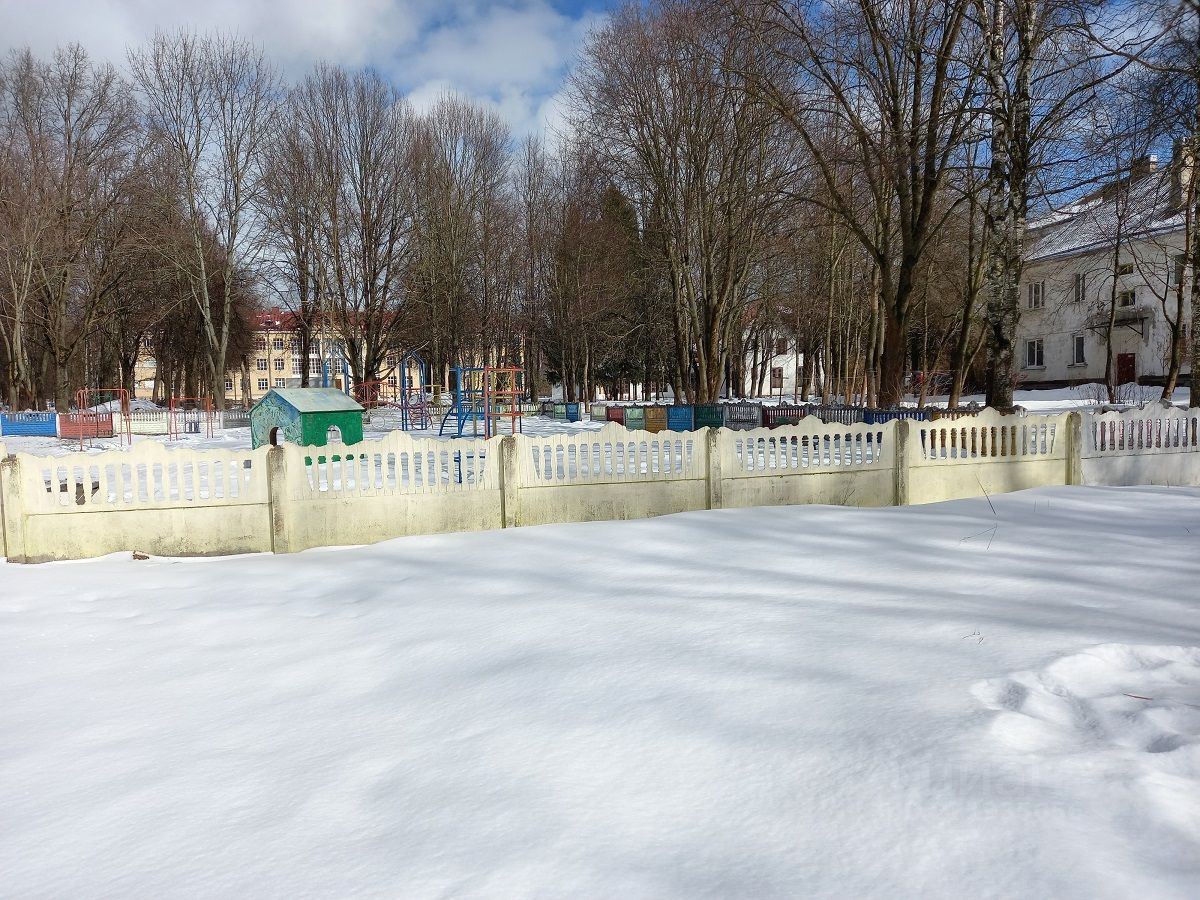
{"x": 512, "y": 55}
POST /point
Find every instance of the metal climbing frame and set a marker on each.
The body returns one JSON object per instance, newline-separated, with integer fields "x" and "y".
{"x": 503, "y": 391}
{"x": 414, "y": 403}
{"x": 189, "y": 415}
{"x": 87, "y": 424}
{"x": 468, "y": 405}
{"x": 373, "y": 394}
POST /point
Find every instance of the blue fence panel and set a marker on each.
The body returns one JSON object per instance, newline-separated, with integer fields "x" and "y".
{"x": 679, "y": 418}
{"x": 28, "y": 424}
{"x": 879, "y": 416}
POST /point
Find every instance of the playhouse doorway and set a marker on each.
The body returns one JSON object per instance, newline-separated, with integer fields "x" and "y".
{"x": 333, "y": 435}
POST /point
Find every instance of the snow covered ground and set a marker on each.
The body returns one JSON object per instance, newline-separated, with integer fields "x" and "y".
{"x": 939, "y": 701}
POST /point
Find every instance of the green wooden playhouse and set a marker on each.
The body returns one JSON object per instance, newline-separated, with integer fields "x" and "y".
{"x": 306, "y": 416}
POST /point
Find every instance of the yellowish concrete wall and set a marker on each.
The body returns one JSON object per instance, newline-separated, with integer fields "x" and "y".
{"x": 186, "y": 502}
{"x": 985, "y": 454}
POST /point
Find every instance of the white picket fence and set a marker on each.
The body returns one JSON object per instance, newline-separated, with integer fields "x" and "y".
{"x": 187, "y": 502}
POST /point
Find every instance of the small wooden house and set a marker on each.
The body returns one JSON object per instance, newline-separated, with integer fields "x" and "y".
{"x": 312, "y": 417}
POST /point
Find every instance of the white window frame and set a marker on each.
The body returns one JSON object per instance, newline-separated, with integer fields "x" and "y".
{"x": 280, "y": 363}
{"x": 263, "y": 384}
{"x": 1035, "y": 353}
{"x": 260, "y": 365}
{"x": 277, "y": 344}
{"x": 1122, "y": 295}
{"x": 1035, "y": 295}
{"x": 280, "y": 382}
{"x": 1078, "y": 358}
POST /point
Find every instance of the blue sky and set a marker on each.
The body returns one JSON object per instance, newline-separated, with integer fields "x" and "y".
{"x": 511, "y": 54}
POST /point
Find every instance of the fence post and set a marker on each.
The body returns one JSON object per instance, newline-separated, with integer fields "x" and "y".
{"x": 510, "y": 482}
{"x": 900, "y": 455}
{"x": 1074, "y": 474}
{"x": 277, "y": 498}
{"x": 12, "y": 518}
{"x": 712, "y": 444}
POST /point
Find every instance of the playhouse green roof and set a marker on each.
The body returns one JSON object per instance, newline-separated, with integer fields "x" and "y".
{"x": 311, "y": 400}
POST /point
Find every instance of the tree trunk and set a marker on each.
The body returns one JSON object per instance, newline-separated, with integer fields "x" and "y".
{"x": 891, "y": 375}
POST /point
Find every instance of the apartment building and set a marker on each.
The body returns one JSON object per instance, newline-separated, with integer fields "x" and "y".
{"x": 1107, "y": 270}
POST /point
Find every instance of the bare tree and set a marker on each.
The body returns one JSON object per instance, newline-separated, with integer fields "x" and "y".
{"x": 1043, "y": 65}
{"x": 211, "y": 102}
{"x": 661, "y": 94}
{"x": 291, "y": 209}
{"x": 1171, "y": 63}
{"x": 358, "y": 133}
{"x": 888, "y": 89}
{"x": 76, "y": 128}
{"x": 461, "y": 175}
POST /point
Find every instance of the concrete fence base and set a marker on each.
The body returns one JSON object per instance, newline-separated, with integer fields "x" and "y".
{"x": 184, "y": 502}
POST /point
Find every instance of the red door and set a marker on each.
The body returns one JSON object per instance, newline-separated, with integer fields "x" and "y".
{"x": 1126, "y": 368}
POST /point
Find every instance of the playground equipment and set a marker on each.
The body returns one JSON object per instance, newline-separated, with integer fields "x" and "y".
{"x": 468, "y": 405}
{"x": 503, "y": 390}
{"x": 488, "y": 395}
{"x": 374, "y": 394}
{"x": 189, "y": 415}
{"x": 86, "y": 424}
{"x": 410, "y": 397}
{"x": 414, "y": 402}
{"x": 310, "y": 417}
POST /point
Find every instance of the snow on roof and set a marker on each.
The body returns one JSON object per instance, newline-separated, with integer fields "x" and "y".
{"x": 315, "y": 399}
{"x": 1143, "y": 209}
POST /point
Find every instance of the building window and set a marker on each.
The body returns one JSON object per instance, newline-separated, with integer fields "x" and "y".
{"x": 391, "y": 381}
{"x": 1125, "y": 269}
{"x": 1077, "y": 348}
{"x": 262, "y": 384}
{"x": 297, "y": 365}
{"x": 777, "y": 379}
{"x": 260, "y": 344}
{"x": 780, "y": 346}
{"x": 1080, "y": 287}
{"x": 277, "y": 344}
{"x": 229, "y": 384}
{"x": 280, "y": 382}
{"x": 1126, "y": 298}
{"x": 1034, "y": 358}
{"x": 261, "y": 365}
{"x": 279, "y": 363}
{"x": 1035, "y": 295}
